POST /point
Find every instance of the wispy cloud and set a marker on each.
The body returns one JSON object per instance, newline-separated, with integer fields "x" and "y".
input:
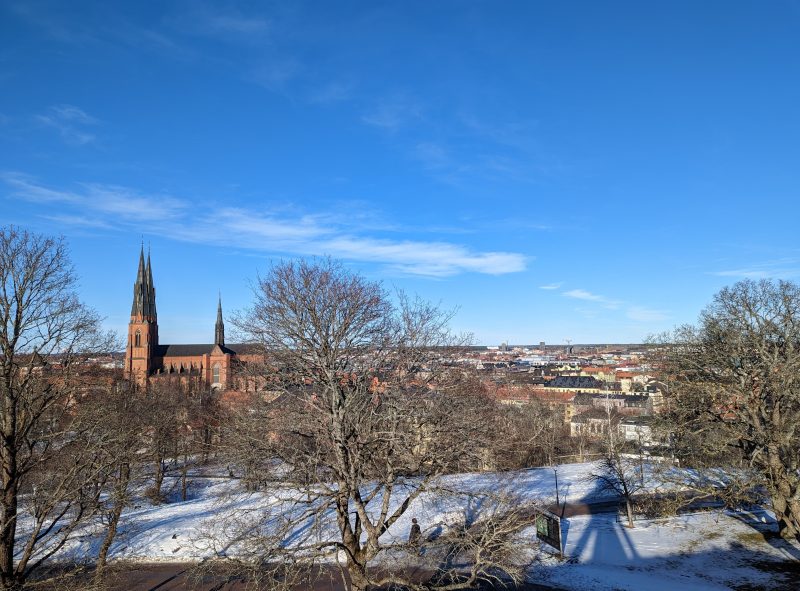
{"x": 78, "y": 221}
{"x": 71, "y": 123}
{"x": 259, "y": 228}
{"x": 224, "y": 23}
{"x": 107, "y": 26}
{"x": 642, "y": 314}
{"x": 275, "y": 74}
{"x": 780, "y": 268}
{"x": 460, "y": 149}
{"x": 744, "y": 273}
{"x": 437, "y": 259}
{"x": 332, "y": 92}
{"x": 582, "y": 294}
{"x": 551, "y": 286}
{"x": 518, "y": 134}
{"x": 446, "y": 164}
{"x": 316, "y": 235}
{"x": 230, "y": 24}
{"x": 48, "y": 21}
{"x": 278, "y": 231}
{"x": 393, "y": 113}
{"x": 634, "y": 312}
{"x": 118, "y": 203}
{"x": 433, "y": 156}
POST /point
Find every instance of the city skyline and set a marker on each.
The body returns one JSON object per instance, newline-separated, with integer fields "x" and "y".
{"x": 576, "y": 171}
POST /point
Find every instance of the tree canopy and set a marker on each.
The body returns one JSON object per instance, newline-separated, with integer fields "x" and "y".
{"x": 734, "y": 390}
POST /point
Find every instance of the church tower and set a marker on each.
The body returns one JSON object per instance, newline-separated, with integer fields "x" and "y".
{"x": 143, "y": 327}
{"x": 219, "y": 327}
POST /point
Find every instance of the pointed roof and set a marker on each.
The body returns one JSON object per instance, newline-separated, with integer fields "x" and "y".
{"x": 144, "y": 294}
{"x": 138, "y": 286}
{"x": 140, "y": 276}
{"x": 149, "y": 271}
{"x": 151, "y": 290}
{"x": 219, "y": 327}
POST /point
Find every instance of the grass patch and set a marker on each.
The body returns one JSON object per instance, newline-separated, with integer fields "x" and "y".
{"x": 757, "y": 537}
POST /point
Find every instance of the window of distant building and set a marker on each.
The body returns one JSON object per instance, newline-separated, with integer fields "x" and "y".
{"x": 138, "y": 340}
{"x": 215, "y": 374}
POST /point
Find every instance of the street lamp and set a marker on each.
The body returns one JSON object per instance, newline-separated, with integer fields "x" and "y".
{"x": 555, "y": 471}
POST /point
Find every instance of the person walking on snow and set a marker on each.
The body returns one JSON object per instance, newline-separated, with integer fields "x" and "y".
{"x": 416, "y": 532}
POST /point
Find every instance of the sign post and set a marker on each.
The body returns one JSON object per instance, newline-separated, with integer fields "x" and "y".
{"x": 548, "y": 529}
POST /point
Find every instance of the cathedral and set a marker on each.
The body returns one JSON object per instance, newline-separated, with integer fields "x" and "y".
{"x": 146, "y": 359}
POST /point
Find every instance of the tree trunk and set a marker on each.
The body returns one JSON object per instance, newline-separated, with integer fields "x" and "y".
{"x": 358, "y": 575}
{"x": 158, "y": 479}
{"x": 206, "y": 443}
{"x": 356, "y": 561}
{"x": 184, "y": 482}
{"x": 124, "y": 476}
{"x": 784, "y": 492}
{"x": 629, "y": 510}
{"x": 10, "y": 482}
{"x": 8, "y": 535}
{"x": 787, "y": 513}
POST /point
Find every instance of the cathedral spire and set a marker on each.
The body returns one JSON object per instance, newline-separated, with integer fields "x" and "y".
{"x": 151, "y": 290}
{"x": 138, "y": 287}
{"x": 144, "y": 294}
{"x": 140, "y": 356}
{"x": 219, "y": 328}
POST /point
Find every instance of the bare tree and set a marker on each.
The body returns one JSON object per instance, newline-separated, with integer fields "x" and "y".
{"x": 534, "y": 434}
{"x": 733, "y": 394}
{"x": 618, "y": 472}
{"x": 178, "y": 418}
{"x": 163, "y": 412}
{"x": 582, "y": 444}
{"x": 244, "y": 444}
{"x": 130, "y": 428}
{"x": 44, "y": 333}
{"x": 367, "y": 416}
{"x": 621, "y": 474}
{"x": 198, "y": 421}
{"x": 111, "y": 418}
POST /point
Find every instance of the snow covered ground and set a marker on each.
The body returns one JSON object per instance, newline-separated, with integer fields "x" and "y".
{"x": 714, "y": 550}
{"x": 708, "y": 551}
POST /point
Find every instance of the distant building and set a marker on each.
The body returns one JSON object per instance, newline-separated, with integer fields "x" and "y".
{"x": 636, "y": 429}
{"x": 595, "y": 422}
{"x": 575, "y": 382}
{"x": 147, "y": 359}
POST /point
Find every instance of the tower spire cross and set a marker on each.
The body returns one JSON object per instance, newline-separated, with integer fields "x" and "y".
{"x": 219, "y": 327}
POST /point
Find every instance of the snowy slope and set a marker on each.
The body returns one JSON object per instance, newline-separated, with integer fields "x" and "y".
{"x": 709, "y": 551}
{"x": 699, "y": 551}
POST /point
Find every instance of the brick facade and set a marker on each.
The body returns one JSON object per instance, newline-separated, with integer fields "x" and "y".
{"x": 146, "y": 359}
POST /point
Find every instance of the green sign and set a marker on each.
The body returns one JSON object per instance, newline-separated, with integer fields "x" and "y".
{"x": 548, "y": 529}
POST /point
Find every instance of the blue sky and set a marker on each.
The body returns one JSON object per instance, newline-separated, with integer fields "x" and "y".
{"x": 592, "y": 171}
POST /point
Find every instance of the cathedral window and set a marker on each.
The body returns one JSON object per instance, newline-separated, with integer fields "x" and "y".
{"x": 215, "y": 374}
{"x": 138, "y": 339}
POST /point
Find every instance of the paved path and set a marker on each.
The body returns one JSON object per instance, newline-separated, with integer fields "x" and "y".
{"x": 177, "y": 577}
